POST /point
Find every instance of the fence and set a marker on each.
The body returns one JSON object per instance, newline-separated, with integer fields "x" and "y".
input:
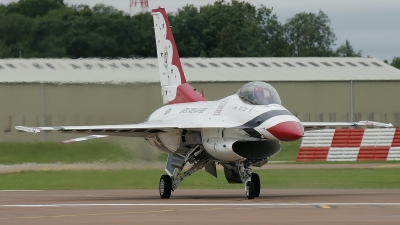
{"x": 350, "y": 145}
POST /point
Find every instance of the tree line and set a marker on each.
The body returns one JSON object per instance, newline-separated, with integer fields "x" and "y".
{"x": 53, "y": 29}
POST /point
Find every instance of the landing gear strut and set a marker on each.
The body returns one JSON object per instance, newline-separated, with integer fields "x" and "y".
{"x": 169, "y": 183}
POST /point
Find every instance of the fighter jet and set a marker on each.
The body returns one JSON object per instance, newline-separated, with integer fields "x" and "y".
{"x": 238, "y": 132}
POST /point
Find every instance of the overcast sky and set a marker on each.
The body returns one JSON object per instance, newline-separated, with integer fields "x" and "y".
{"x": 370, "y": 25}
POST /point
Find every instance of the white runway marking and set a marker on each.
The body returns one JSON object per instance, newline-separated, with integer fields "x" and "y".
{"x": 217, "y": 204}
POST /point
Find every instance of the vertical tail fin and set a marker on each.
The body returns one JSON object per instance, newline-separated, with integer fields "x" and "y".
{"x": 173, "y": 81}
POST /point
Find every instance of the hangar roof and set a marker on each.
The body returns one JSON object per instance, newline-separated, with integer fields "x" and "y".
{"x": 196, "y": 70}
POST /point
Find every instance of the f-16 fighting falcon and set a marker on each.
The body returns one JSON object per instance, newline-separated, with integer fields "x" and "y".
{"x": 238, "y": 132}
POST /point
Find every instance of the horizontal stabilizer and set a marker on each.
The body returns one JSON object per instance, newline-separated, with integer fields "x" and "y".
{"x": 91, "y": 137}
{"x": 322, "y": 125}
{"x": 28, "y": 129}
{"x": 376, "y": 124}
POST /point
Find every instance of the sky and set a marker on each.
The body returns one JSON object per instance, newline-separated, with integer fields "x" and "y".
{"x": 370, "y": 25}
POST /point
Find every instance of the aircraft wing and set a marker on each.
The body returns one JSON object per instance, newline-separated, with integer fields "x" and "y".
{"x": 322, "y": 125}
{"x": 146, "y": 129}
{"x": 100, "y": 131}
{"x": 131, "y": 130}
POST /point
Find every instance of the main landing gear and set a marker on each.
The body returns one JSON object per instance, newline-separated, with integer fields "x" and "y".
{"x": 165, "y": 186}
{"x": 197, "y": 157}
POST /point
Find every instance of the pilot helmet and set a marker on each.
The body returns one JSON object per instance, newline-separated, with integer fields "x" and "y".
{"x": 258, "y": 92}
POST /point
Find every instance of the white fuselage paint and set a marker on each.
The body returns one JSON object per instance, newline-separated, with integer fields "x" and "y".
{"x": 228, "y": 112}
{"x": 216, "y": 116}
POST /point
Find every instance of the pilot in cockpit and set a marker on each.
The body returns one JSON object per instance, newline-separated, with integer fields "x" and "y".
{"x": 259, "y": 93}
{"x": 262, "y": 96}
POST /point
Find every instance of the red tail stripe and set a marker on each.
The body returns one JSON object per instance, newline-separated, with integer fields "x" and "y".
{"x": 175, "y": 56}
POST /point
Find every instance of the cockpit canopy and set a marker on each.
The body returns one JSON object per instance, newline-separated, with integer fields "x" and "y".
{"x": 259, "y": 93}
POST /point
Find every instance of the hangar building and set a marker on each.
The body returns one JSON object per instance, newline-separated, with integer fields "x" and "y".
{"x": 53, "y": 92}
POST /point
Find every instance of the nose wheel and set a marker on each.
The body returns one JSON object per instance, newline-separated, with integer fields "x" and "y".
{"x": 257, "y": 186}
{"x": 251, "y": 180}
{"x": 250, "y": 190}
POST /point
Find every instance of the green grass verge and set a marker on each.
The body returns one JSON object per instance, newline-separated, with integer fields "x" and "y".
{"x": 148, "y": 179}
{"x": 82, "y": 152}
{"x": 92, "y": 151}
{"x": 288, "y": 152}
{"x": 101, "y": 151}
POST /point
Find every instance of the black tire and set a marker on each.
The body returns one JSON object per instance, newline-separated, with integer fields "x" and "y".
{"x": 257, "y": 185}
{"x": 250, "y": 190}
{"x": 165, "y": 186}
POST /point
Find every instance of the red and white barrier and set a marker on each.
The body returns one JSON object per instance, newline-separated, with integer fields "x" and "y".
{"x": 350, "y": 145}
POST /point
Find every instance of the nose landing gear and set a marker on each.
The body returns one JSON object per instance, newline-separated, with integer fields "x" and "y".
{"x": 250, "y": 190}
{"x": 250, "y": 179}
{"x": 257, "y": 186}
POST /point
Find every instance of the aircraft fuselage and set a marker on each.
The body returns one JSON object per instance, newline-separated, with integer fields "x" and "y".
{"x": 248, "y": 125}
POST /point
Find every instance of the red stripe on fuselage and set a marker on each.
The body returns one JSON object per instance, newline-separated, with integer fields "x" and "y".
{"x": 186, "y": 93}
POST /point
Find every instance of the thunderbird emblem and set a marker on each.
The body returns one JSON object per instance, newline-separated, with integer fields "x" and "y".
{"x": 166, "y": 57}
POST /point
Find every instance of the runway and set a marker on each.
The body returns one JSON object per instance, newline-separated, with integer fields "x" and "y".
{"x": 289, "y": 206}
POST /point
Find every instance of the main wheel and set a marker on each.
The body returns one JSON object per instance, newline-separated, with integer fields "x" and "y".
{"x": 250, "y": 190}
{"x": 165, "y": 186}
{"x": 257, "y": 186}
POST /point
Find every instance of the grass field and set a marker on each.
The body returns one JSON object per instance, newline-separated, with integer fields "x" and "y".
{"x": 99, "y": 151}
{"x": 12, "y": 153}
{"x": 48, "y": 152}
{"x": 288, "y": 152}
{"x": 92, "y": 151}
{"x": 148, "y": 179}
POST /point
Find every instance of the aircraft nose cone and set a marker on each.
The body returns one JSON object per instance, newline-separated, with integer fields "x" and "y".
{"x": 287, "y": 131}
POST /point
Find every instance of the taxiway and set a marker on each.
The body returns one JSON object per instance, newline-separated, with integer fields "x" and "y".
{"x": 289, "y": 206}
